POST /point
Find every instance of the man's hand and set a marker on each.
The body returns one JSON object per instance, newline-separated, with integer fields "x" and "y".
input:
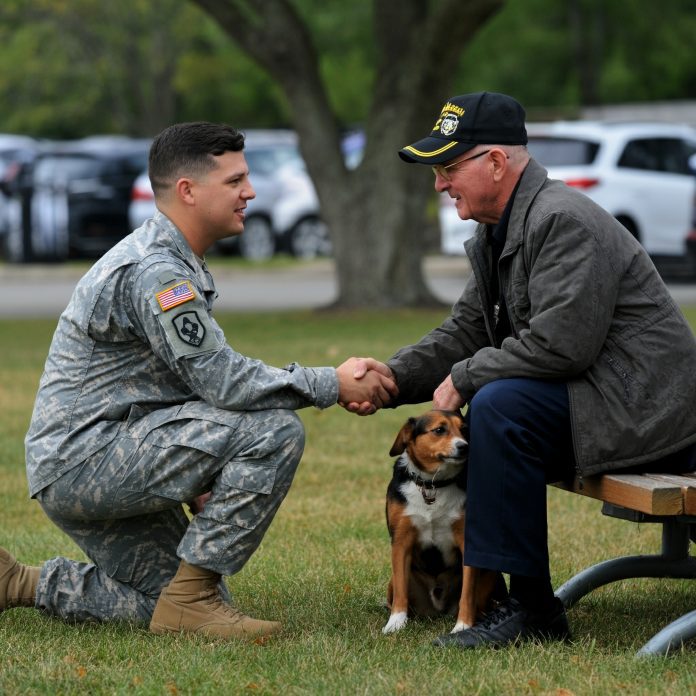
{"x": 446, "y": 397}
{"x": 365, "y": 385}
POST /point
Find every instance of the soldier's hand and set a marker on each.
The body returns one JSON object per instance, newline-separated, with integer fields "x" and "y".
{"x": 365, "y": 385}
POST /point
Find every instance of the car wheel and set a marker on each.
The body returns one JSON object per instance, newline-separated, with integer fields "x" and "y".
{"x": 257, "y": 242}
{"x": 629, "y": 225}
{"x": 310, "y": 238}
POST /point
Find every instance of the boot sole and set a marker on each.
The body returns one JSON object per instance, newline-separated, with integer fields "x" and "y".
{"x": 163, "y": 629}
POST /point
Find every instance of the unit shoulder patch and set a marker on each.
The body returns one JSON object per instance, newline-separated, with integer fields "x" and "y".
{"x": 175, "y": 296}
{"x": 189, "y": 328}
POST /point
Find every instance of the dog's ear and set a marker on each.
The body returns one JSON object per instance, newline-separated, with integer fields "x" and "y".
{"x": 402, "y": 438}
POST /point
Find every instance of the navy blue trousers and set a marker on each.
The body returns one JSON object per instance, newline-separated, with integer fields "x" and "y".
{"x": 520, "y": 439}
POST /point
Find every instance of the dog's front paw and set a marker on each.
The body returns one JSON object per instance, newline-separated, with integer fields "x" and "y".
{"x": 460, "y": 626}
{"x": 396, "y": 622}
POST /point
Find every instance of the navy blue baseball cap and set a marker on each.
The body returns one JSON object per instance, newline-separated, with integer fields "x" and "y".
{"x": 468, "y": 120}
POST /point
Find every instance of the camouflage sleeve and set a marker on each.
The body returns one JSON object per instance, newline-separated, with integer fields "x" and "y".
{"x": 172, "y": 316}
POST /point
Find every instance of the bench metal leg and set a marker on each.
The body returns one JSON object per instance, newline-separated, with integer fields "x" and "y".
{"x": 674, "y": 562}
{"x": 622, "y": 569}
{"x": 671, "y": 636}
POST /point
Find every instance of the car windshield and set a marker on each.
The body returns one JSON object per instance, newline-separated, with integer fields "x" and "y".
{"x": 559, "y": 152}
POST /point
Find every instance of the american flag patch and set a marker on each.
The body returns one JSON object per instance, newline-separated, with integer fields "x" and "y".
{"x": 176, "y": 295}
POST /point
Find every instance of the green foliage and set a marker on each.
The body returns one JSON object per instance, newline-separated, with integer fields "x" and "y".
{"x": 215, "y": 81}
{"x": 323, "y": 567}
{"x": 561, "y": 55}
{"x": 69, "y": 69}
{"x": 344, "y": 43}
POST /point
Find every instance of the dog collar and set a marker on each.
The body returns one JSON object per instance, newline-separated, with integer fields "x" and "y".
{"x": 428, "y": 488}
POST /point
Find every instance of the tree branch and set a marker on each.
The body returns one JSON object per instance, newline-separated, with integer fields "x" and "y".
{"x": 279, "y": 41}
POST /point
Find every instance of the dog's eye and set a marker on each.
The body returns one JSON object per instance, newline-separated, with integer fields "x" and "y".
{"x": 441, "y": 430}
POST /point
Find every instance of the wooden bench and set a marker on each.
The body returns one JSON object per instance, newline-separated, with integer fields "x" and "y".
{"x": 664, "y": 498}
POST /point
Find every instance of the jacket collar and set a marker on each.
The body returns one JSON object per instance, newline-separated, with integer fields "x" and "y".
{"x": 197, "y": 265}
{"x": 533, "y": 178}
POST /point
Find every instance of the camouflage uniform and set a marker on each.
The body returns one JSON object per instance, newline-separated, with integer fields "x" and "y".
{"x": 142, "y": 406}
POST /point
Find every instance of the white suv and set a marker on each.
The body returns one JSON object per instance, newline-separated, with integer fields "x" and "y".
{"x": 639, "y": 172}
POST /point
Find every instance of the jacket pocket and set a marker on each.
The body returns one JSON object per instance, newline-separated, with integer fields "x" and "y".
{"x": 518, "y": 301}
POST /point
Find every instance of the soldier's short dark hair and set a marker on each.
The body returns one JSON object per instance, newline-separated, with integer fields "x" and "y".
{"x": 187, "y": 149}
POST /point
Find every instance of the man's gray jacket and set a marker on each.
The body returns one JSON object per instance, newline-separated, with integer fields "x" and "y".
{"x": 586, "y": 306}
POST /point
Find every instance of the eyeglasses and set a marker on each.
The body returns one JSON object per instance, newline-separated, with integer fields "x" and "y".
{"x": 441, "y": 169}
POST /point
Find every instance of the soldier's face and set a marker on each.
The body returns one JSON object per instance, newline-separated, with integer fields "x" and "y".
{"x": 222, "y": 195}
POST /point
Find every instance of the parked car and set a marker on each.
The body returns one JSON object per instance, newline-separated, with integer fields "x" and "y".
{"x": 691, "y": 236}
{"x": 74, "y": 198}
{"x": 297, "y": 221}
{"x": 15, "y": 152}
{"x": 285, "y": 195}
{"x": 639, "y": 172}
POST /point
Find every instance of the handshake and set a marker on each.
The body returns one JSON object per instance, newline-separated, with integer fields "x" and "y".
{"x": 366, "y": 385}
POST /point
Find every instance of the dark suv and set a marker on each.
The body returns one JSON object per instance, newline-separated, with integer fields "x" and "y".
{"x": 74, "y": 199}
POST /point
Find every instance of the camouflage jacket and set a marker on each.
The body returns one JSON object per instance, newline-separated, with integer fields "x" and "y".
{"x": 137, "y": 336}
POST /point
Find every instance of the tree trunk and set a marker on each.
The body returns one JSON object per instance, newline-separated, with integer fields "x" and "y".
{"x": 376, "y": 213}
{"x": 587, "y": 32}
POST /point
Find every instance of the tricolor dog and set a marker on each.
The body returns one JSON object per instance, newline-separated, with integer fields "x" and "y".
{"x": 425, "y": 516}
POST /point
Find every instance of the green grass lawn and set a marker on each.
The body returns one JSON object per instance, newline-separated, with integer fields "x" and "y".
{"x": 323, "y": 567}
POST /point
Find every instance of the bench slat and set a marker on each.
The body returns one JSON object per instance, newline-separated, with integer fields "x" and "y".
{"x": 633, "y": 491}
{"x": 690, "y": 495}
{"x": 687, "y": 482}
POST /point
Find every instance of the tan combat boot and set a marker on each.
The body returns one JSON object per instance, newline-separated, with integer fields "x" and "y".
{"x": 17, "y": 582}
{"x": 191, "y": 603}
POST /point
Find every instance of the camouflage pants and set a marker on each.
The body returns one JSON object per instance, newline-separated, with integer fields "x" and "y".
{"x": 123, "y": 506}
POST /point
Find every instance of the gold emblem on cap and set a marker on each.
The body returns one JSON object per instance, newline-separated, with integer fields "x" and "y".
{"x": 448, "y": 110}
{"x": 449, "y": 124}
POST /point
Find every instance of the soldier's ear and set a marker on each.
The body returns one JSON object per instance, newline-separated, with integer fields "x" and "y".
{"x": 184, "y": 190}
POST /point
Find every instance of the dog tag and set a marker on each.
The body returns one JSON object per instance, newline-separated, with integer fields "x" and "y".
{"x": 429, "y": 495}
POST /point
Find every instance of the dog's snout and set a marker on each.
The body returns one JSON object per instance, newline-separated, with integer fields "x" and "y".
{"x": 461, "y": 447}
